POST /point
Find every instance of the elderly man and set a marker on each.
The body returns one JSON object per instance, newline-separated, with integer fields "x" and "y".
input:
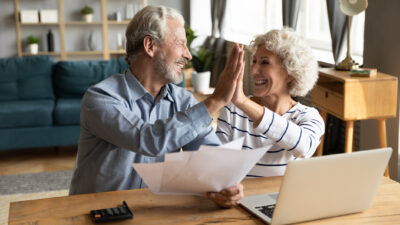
{"x": 139, "y": 116}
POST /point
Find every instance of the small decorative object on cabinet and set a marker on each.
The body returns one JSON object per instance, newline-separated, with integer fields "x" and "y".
{"x": 33, "y": 44}
{"x": 91, "y": 42}
{"x": 87, "y": 13}
{"x": 48, "y": 16}
{"x": 350, "y": 8}
{"x": 30, "y": 18}
{"x": 119, "y": 41}
{"x": 50, "y": 41}
{"x": 118, "y": 16}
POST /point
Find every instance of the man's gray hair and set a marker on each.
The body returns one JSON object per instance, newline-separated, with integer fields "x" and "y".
{"x": 150, "y": 21}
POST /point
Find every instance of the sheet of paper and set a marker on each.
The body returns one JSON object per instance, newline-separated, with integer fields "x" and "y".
{"x": 235, "y": 144}
{"x": 195, "y": 173}
{"x": 152, "y": 174}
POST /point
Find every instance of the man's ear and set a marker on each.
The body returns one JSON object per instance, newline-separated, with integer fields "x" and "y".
{"x": 149, "y": 46}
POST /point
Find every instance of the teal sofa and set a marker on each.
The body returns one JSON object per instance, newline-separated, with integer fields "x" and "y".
{"x": 40, "y": 100}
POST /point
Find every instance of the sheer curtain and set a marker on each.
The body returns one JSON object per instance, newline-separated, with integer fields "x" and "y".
{"x": 337, "y": 26}
{"x": 216, "y": 41}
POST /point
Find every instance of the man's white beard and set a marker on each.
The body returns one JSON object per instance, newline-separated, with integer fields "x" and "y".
{"x": 169, "y": 73}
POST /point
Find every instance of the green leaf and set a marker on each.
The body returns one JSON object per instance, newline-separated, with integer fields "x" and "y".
{"x": 87, "y": 10}
{"x": 201, "y": 57}
{"x": 190, "y": 36}
{"x": 32, "y": 39}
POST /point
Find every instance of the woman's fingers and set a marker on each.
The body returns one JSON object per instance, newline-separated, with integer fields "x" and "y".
{"x": 240, "y": 64}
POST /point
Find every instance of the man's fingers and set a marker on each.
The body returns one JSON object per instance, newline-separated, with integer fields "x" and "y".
{"x": 230, "y": 191}
{"x": 224, "y": 200}
{"x": 232, "y": 55}
{"x": 228, "y": 197}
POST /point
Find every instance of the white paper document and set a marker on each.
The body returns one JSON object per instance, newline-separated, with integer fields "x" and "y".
{"x": 197, "y": 172}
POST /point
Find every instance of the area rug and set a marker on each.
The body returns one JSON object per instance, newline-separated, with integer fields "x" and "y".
{"x": 35, "y": 182}
{"x": 21, "y": 187}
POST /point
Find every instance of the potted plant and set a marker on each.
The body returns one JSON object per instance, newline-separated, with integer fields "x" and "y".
{"x": 33, "y": 43}
{"x": 87, "y": 13}
{"x": 201, "y": 63}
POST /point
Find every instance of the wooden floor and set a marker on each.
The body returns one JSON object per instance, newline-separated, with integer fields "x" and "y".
{"x": 37, "y": 160}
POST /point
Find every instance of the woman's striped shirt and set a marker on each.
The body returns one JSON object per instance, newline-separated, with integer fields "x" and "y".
{"x": 296, "y": 134}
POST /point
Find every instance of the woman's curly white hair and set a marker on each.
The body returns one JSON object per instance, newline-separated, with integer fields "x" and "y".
{"x": 296, "y": 57}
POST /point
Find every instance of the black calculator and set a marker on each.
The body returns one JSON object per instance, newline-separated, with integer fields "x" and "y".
{"x": 111, "y": 214}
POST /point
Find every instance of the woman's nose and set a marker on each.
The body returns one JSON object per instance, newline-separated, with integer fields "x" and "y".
{"x": 253, "y": 69}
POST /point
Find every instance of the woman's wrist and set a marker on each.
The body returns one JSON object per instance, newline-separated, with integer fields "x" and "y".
{"x": 242, "y": 102}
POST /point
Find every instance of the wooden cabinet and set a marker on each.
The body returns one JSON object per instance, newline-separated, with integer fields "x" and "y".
{"x": 355, "y": 98}
{"x": 62, "y": 25}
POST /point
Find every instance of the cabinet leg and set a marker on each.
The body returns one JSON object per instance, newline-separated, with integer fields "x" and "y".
{"x": 382, "y": 139}
{"x": 321, "y": 144}
{"x": 349, "y": 136}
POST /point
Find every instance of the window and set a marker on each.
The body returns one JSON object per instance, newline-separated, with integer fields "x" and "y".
{"x": 313, "y": 25}
{"x": 245, "y": 19}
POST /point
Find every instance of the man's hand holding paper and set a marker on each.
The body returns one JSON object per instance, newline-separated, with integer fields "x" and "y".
{"x": 211, "y": 169}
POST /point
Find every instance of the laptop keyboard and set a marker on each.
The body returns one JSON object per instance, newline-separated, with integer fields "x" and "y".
{"x": 268, "y": 210}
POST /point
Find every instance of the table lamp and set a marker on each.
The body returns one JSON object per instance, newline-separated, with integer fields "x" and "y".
{"x": 350, "y": 8}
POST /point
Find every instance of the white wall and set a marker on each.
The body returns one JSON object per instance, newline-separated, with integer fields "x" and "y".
{"x": 382, "y": 51}
{"x": 75, "y": 35}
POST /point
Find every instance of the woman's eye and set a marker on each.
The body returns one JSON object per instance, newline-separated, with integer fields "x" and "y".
{"x": 254, "y": 61}
{"x": 264, "y": 62}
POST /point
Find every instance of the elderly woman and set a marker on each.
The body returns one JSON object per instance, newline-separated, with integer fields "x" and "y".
{"x": 283, "y": 67}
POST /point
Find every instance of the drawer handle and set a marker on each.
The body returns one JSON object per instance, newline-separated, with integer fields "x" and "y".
{"x": 326, "y": 94}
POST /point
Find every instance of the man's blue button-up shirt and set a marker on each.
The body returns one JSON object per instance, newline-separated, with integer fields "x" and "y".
{"x": 121, "y": 124}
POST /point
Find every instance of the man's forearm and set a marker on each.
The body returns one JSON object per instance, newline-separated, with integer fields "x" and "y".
{"x": 213, "y": 105}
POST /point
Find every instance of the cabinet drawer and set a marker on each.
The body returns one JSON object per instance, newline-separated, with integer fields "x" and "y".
{"x": 328, "y": 100}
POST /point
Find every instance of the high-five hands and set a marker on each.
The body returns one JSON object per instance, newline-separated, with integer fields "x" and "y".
{"x": 227, "y": 82}
{"x": 239, "y": 97}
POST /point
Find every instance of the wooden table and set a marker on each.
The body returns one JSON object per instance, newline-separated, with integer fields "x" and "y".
{"x": 355, "y": 98}
{"x": 164, "y": 209}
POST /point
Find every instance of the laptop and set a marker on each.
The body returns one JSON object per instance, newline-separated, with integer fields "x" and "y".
{"x": 321, "y": 187}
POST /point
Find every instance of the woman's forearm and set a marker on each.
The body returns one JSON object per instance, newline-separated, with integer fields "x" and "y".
{"x": 253, "y": 110}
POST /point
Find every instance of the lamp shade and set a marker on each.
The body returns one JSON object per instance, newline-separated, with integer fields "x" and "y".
{"x": 353, "y": 7}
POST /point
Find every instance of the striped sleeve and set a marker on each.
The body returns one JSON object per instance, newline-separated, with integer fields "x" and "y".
{"x": 224, "y": 129}
{"x": 301, "y": 138}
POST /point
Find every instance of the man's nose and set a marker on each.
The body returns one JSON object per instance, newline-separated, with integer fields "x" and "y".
{"x": 187, "y": 54}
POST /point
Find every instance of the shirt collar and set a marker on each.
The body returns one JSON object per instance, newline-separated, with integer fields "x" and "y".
{"x": 138, "y": 91}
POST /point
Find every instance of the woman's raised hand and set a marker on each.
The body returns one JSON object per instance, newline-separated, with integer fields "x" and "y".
{"x": 239, "y": 97}
{"x": 227, "y": 82}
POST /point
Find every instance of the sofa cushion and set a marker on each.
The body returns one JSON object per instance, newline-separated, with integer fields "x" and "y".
{"x": 26, "y": 78}
{"x": 26, "y": 113}
{"x": 72, "y": 78}
{"x": 67, "y": 111}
